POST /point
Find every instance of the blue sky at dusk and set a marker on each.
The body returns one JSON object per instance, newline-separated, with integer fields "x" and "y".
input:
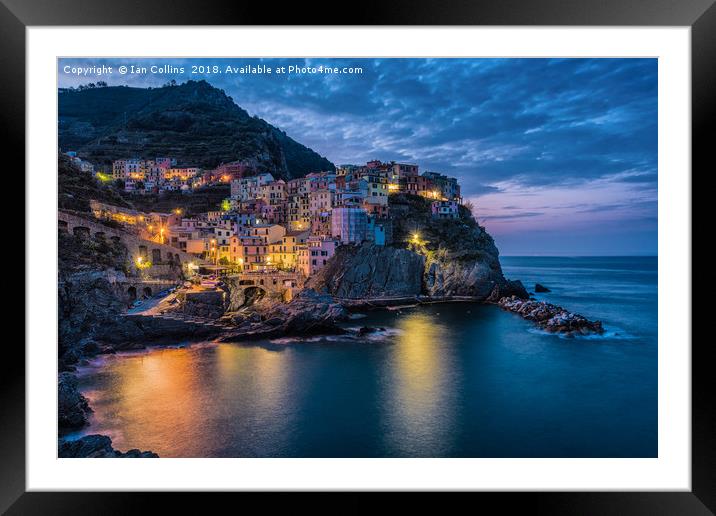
{"x": 559, "y": 156}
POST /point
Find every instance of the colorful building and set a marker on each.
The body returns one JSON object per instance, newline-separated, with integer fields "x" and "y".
{"x": 349, "y": 225}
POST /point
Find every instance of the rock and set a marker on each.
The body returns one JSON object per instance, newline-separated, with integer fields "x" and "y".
{"x": 274, "y": 321}
{"x": 541, "y": 288}
{"x": 73, "y": 410}
{"x": 89, "y": 347}
{"x": 88, "y": 301}
{"x": 515, "y": 288}
{"x": 370, "y": 271}
{"x": 97, "y": 446}
{"x": 461, "y": 257}
{"x": 509, "y": 288}
{"x": 309, "y": 313}
{"x": 551, "y": 318}
{"x": 365, "y": 330}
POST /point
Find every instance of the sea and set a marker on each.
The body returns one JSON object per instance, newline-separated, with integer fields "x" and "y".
{"x": 440, "y": 380}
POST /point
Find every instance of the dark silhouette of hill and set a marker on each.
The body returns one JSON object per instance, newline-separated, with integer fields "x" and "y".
{"x": 194, "y": 122}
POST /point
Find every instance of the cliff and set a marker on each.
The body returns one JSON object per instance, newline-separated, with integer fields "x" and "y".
{"x": 370, "y": 271}
{"x": 434, "y": 257}
{"x": 194, "y": 122}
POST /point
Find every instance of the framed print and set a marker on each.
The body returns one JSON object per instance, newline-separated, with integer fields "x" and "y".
{"x": 440, "y": 250}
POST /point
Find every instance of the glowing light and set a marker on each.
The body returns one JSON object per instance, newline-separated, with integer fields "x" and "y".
{"x": 141, "y": 263}
{"x": 105, "y": 178}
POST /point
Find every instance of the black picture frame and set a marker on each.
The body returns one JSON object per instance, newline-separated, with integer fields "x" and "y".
{"x": 700, "y": 15}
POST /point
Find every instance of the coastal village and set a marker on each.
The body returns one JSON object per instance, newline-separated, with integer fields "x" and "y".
{"x": 270, "y": 225}
{"x": 272, "y": 238}
{"x": 187, "y": 224}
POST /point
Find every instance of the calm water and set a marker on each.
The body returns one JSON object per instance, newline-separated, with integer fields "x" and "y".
{"x": 448, "y": 380}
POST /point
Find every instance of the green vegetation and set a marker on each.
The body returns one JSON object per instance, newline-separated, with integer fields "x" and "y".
{"x": 196, "y": 123}
{"x": 89, "y": 253}
{"x": 77, "y": 188}
{"x": 103, "y": 177}
{"x": 439, "y": 239}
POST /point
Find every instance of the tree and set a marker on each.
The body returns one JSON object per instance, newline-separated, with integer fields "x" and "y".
{"x": 470, "y": 207}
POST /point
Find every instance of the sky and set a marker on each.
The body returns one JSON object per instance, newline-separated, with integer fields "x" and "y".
{"x": 558, "y": 156}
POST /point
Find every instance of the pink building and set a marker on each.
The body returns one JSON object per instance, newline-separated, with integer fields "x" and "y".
{"x": 315, "y": 254}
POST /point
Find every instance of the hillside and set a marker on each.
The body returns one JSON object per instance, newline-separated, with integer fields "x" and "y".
{"x": 194, "y": 122}
{"x": 75, "y": 189}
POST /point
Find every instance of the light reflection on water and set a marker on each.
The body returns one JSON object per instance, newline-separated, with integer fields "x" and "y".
{"x": 451, "y": 380}
{"x": 243, "y": 400}
{"x": 420, "y": 394}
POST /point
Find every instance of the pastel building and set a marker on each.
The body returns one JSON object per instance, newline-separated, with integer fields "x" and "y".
{"x": 315, "y": 253}
{"x": 269, "y": 233}
{"x": 321, "y": 201}
{"x": 248, "y": 188}
{"x": 445, "y": 209}
{"x": 284, "y": 253}
{"x": 349, "y": 225}
{"x": 443, "y": 187}
{"x": 379, "y": 232}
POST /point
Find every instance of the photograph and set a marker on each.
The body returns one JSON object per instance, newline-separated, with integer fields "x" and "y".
{"x": 357, "y": 257}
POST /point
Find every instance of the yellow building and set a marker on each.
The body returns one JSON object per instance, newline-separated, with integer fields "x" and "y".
{"x": 284, "y": 253}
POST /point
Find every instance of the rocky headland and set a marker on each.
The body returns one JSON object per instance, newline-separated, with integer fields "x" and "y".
{"x": 429, "y": 260}
{"x": 551, "y": 318}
